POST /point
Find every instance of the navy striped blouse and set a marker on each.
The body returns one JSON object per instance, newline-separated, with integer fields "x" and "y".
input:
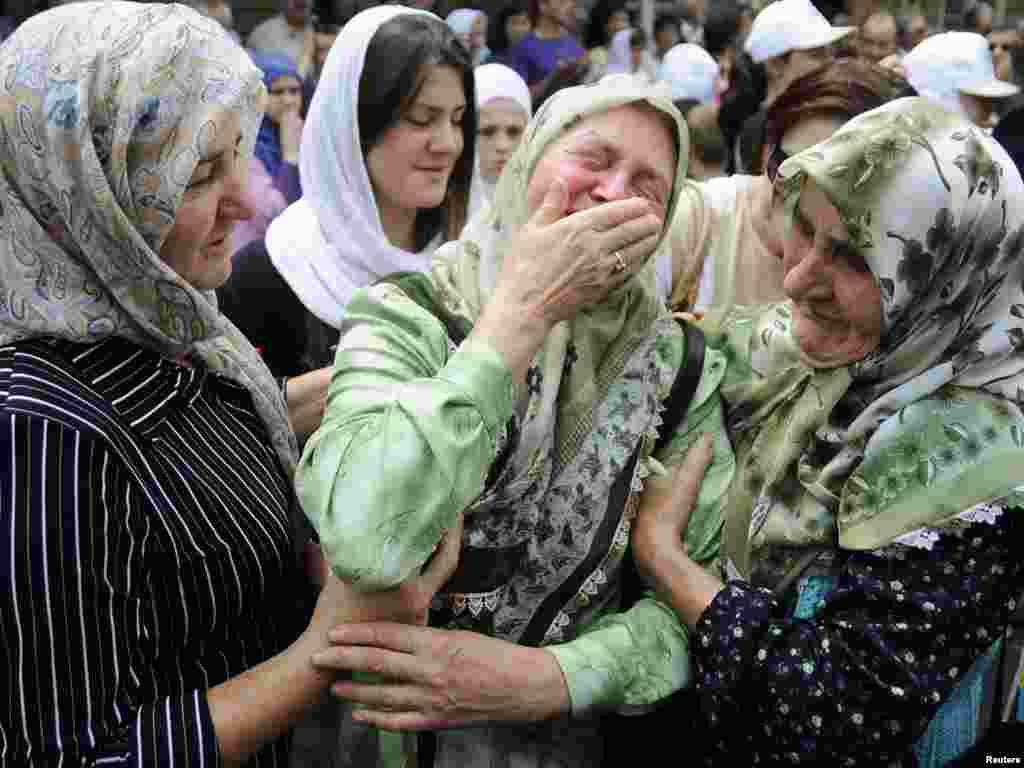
{"x": 145, "y": 555}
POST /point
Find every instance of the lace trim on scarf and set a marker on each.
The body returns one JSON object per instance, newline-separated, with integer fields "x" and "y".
{"x": 925, "y": 538}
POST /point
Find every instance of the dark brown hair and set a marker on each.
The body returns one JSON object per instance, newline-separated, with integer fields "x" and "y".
{"x": 842, "y": 89}
{"x": 393, "y": 72}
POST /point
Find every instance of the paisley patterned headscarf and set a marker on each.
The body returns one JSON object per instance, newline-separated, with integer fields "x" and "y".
{"x": 930, "y": 423}
{"x": 105, "y": 111}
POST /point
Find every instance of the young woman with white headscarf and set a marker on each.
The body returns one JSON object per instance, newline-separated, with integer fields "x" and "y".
{"x": 503, "y": 109}
{"x": 152, "y": 604}
{"x": 386, "y": 163}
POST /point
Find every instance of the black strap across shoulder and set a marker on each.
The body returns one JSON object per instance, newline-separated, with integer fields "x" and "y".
{"x": 621, "y": 733}
{"x": 685, "y": 386}
{"x": 676, "y": 405}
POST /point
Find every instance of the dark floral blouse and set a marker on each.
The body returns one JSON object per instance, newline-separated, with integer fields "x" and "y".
{"x": 857, "y": 683}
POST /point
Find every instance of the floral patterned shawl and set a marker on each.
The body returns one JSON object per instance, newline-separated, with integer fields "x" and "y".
{"x": 105, "y": 111}
{"x": 928, "y": 425}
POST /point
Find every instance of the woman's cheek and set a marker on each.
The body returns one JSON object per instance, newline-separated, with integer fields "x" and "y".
{"x": 578, "y": 180}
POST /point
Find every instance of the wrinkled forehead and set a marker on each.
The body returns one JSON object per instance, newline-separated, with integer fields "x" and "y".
{"x": 616, "y": 125}
{"x": 614, "y": 101}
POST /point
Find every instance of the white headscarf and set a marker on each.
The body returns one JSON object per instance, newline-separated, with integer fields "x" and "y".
{"x": 690, "y": 72}
{"x": 619, "y": 59}
{"x": 461, "y": 23}
{"x": 494, "y": 81}
{"x": 461, "y": 20}
{"x": 331, "y": 242}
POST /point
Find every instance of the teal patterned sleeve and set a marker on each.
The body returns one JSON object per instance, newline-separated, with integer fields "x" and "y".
{"x": 407, "y": 438}
{"x": 634, "y": 658}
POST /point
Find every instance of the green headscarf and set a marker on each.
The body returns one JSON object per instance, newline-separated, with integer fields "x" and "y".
{"x": 580, "y": 358}
{"x": 929, "y": 424}
{"x": 105, "y": 111}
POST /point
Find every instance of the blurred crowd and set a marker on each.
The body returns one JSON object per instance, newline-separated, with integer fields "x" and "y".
{"x": 725, "y": 62}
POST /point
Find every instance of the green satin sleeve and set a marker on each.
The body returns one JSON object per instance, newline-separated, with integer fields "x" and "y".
{"x": 408, "y": 435}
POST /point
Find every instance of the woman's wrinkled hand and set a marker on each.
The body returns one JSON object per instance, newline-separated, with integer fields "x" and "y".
{"x": 558, "y": 263}
{"x": 432, "y": 679}
{"x": 341, "y": 603}
{"x": 665, "y": 508}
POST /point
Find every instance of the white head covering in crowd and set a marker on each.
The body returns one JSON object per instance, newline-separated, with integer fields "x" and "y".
{"x": 461, "y": 20}
{"x": 461, "y": 23}
{"x": 495, "y": 81}
{"x": 331, "y": 241}
{"x": 619, "y": 59}
{"x": 945, "y": 65}
{"x": 690, "y": 72}
{"x": 790, "y": 25}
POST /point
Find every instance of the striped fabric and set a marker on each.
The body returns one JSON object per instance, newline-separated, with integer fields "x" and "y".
{"x": 145, "y": 555}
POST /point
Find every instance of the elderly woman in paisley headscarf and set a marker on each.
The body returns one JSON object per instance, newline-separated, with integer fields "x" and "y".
{"x": 146, "y": 450}
{"x": 522, "y": 382}
{"x": 871, "y": 541}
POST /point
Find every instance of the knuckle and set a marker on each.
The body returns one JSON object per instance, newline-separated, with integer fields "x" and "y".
{"x": 376, "y": 664}
{"x": 449, "y": 701}
{"x": 439, "y": 682}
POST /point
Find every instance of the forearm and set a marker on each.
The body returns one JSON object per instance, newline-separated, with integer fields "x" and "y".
{"x": 684, "y": 585}
{"x": 261, "y": 704}
{"x": 404, "y": 421}
{"x": 307, "y": 397}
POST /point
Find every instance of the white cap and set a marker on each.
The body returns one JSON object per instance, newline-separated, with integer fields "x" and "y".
{"x": 942, "y": 65}
{"x": 690, "y": 72}
{"x": 790, "y": 25}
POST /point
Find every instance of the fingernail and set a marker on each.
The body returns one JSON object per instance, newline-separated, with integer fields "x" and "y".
{"x": 319, "y": 658}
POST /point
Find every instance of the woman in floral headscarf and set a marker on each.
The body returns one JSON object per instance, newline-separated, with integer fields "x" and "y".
{"x": 522, "y": 380}
{"x": 147, "y": 452}
{"x": 870, "y": 546}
